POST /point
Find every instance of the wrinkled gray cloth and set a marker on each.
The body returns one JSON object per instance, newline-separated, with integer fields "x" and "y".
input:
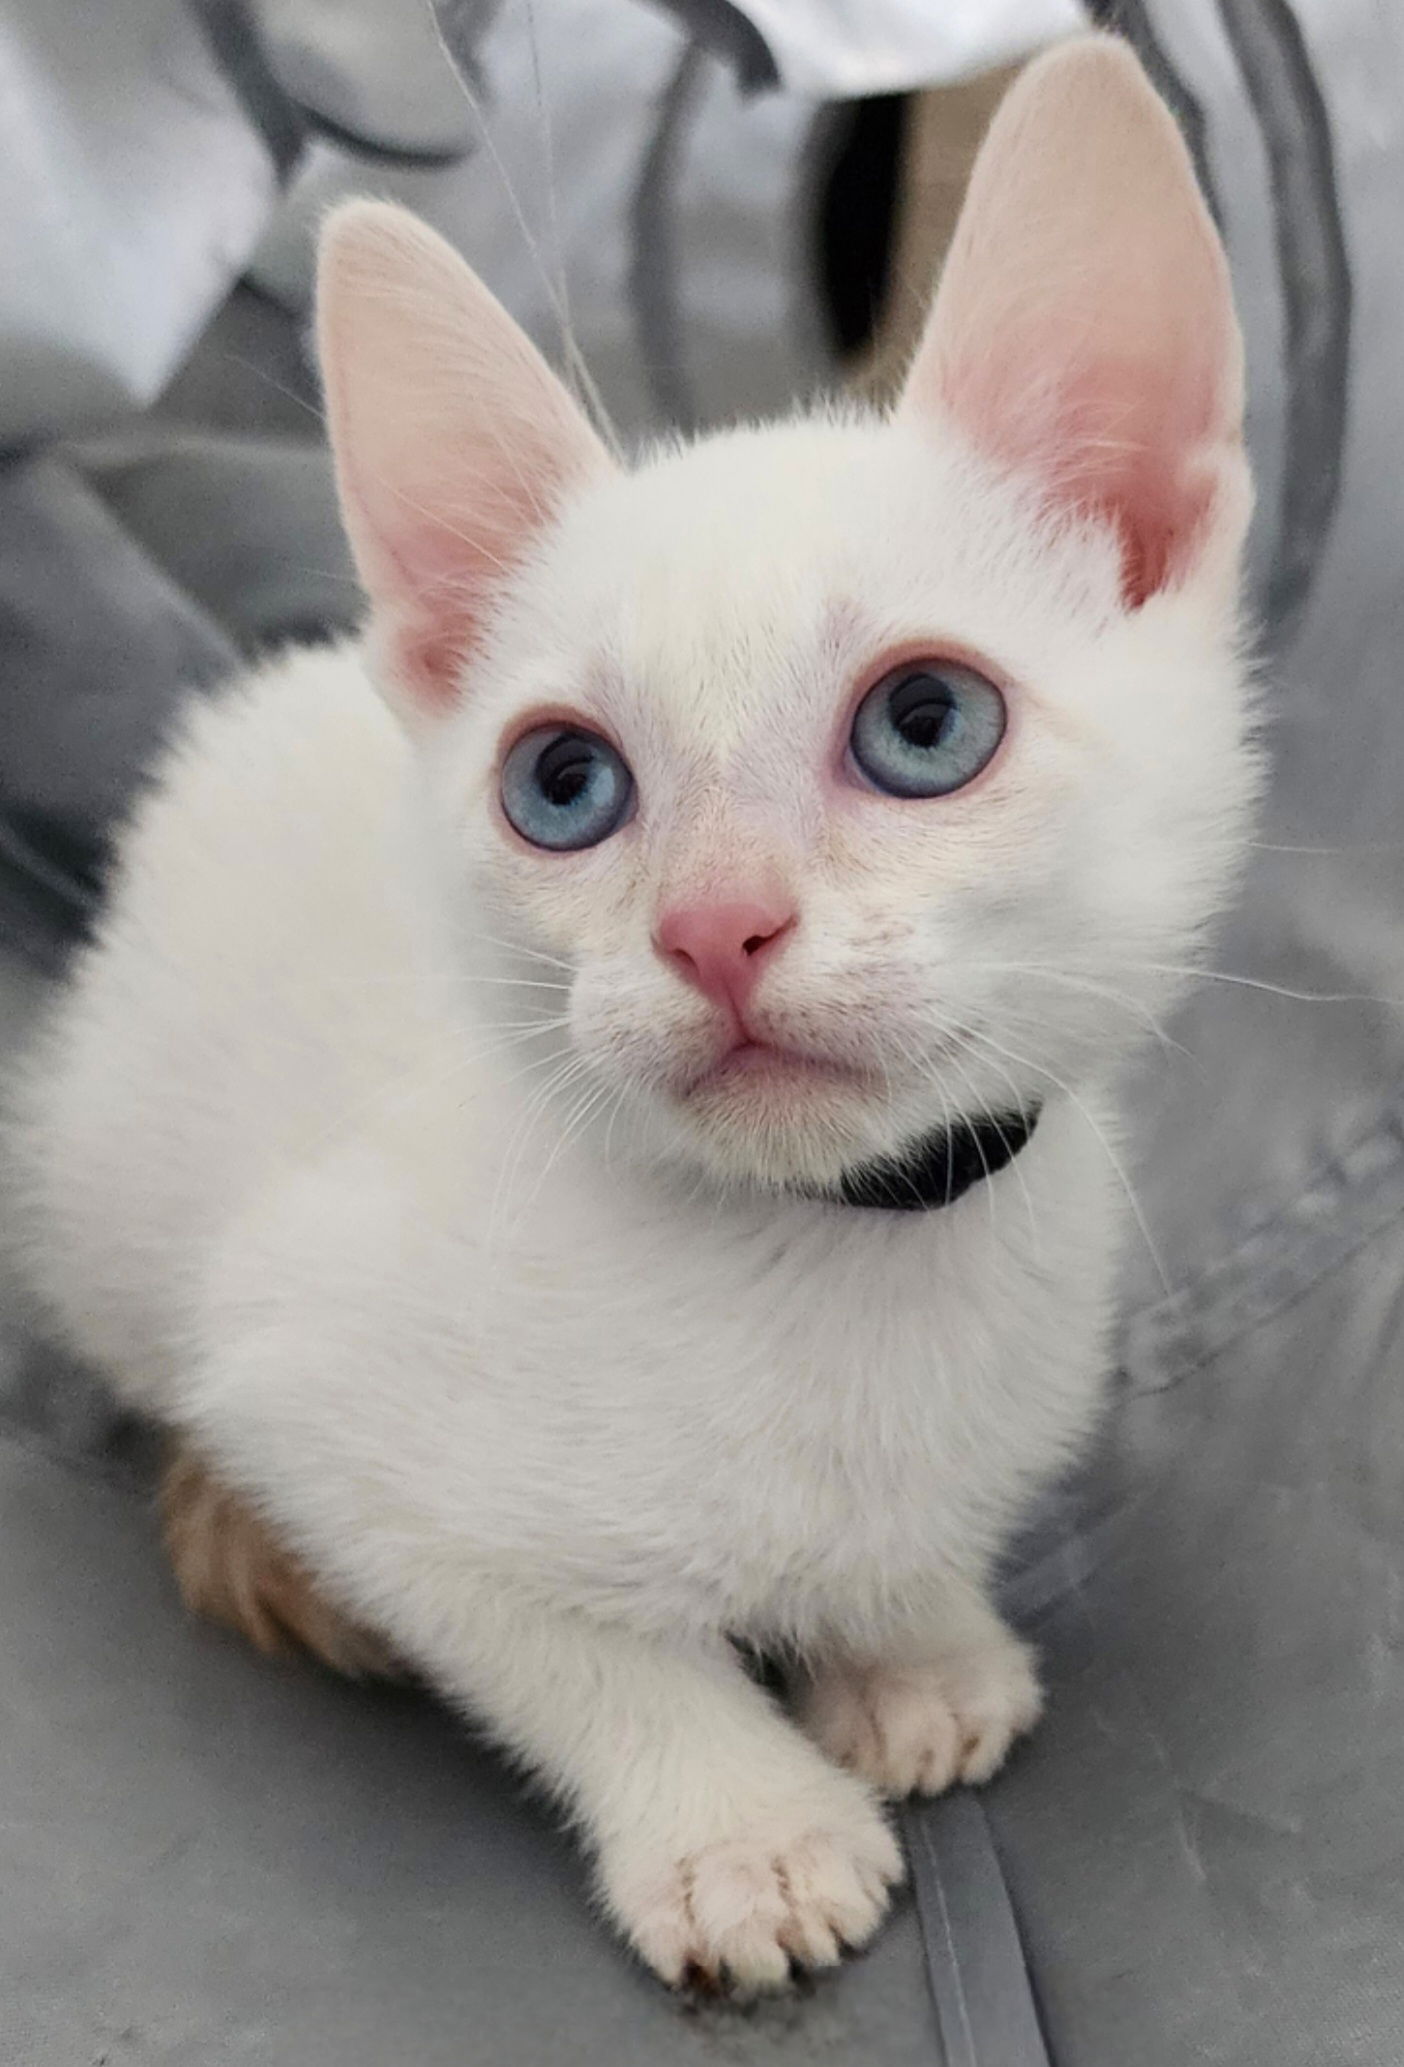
{"x": 207, "y": 1857}
{"x": 130, "y": 190}
{"x": 888, "y": 47}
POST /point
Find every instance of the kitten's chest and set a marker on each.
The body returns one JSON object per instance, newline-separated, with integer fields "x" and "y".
{"x": 845, "y": 1483}
{"x": 837, "y": 1426}
{"x": 772, "y": 1423}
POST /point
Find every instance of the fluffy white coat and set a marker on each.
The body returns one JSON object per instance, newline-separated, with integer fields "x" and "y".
{"x": 367, "y": 1147}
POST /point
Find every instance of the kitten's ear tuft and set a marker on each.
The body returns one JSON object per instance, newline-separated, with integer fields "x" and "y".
{"x": 1084, "y": 333}
{"x": 454, "y": 441}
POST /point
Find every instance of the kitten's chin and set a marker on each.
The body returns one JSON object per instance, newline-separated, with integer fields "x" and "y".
{"x": 784, "y": 1122}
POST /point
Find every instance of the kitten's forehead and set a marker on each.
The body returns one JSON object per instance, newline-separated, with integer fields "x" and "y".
{"x": 729, "y": 556}
{"x": 734, "y": 585}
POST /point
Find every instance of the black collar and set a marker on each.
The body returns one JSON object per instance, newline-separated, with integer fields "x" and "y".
{"x": 941, "y": 1167}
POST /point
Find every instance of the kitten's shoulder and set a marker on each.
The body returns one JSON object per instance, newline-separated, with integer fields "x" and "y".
{"x": 262, "y": 775}
{"x": 314, "y": 707}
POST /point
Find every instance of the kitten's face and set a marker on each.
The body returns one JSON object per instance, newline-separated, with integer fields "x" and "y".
{"x": 774, "y": 962}
{"x": 843, "y": 788}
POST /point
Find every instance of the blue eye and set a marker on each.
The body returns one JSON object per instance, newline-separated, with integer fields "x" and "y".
{"x": 927, "y": 728}
{"x": 565, "y": 788}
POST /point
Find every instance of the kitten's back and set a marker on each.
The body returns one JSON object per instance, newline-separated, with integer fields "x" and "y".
{"x": 250, "y": 982}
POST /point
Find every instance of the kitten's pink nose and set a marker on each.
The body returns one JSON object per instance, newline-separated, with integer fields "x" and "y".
{"x": 721, "y": 949}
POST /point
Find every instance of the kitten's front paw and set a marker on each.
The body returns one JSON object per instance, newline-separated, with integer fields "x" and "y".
{"x": 746, "y": 1908}
{"x": 918, "y": 1729}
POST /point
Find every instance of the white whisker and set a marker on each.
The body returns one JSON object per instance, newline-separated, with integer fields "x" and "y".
{"x": 1277, "y": 990}
{"x": 1026, "y": 1062}
{"x": 994, "y": 1120}
{"x": 571, "y": 1068}
{"x": 553, "y": 284}
{"x": 517, "y": 947}
{"x": 1107, "y": 992}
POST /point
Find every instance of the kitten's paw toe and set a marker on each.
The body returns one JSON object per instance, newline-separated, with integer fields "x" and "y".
{"x": 918, "y": 1729}
{"x": 744, "y": 1911}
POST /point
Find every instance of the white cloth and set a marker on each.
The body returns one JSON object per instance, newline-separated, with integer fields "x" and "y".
{"x": 843, "y": 49}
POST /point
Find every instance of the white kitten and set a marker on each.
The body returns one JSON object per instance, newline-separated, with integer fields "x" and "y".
{"x": 446, "y": 1131}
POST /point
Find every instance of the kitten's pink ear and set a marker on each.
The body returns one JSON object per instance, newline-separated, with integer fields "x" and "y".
{"x": 454, "y": 441}
{"x": 1084, "y": 331}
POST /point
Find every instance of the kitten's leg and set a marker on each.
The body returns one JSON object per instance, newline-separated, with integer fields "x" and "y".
{"x": 727, "y": 1846}
{"x": 230, "y": 1568}
{"x": 943, "y": 1707}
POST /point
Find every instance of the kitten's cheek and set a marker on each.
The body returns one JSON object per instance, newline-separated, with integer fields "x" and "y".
{"x": 656, "y": 1061}
{"x": 622, "y": 1045}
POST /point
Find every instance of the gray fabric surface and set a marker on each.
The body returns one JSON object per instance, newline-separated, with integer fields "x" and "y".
{"x": 99, "y": 646}
{"x": 132, "y": 187}
{"x": 91, "y": 670}
{"x": 1205, "y": 1846}
{"x": 132, "y": 571}
{"x": 375, "y": 70}
{"x": 974, "y": 1960}
{"x": 247, "y": 528}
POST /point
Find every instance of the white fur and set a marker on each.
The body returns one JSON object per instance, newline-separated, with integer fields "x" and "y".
{"x": 360, "y": 1148}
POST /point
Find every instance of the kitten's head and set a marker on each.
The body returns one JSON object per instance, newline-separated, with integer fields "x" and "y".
{"x": 856, "y": 773}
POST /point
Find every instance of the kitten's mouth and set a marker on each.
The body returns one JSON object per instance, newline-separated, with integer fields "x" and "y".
{"x": 765, "y": 1063}
{"x": 789, "y": 1117}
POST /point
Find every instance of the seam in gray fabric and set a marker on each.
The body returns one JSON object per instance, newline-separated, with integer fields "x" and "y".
{"x": 1354, "y": 1197}
{"x": 1028, "y": 1594}
{"x": 232, "y": 34}
{"x": 943, "y": 1974}
{"x": 44, "y": 908}
{"x": 732, "y": 35}
{"x": 372, "y": 152}
{"x": 975, "y": 1964}
{"x": 940, "y": 1950}
{"x": 1315, "y": 283}
{"x": 55, "y": 882}
{"x": 653, "y": 276}
{"x": 463, "y": 27}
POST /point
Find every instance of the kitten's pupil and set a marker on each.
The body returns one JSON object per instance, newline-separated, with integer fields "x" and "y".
{"x": 922, "y": 708}
{"x": 564, "y": 771}
{"x": 564, "y": 787}
{"x": 923, "y": 727}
